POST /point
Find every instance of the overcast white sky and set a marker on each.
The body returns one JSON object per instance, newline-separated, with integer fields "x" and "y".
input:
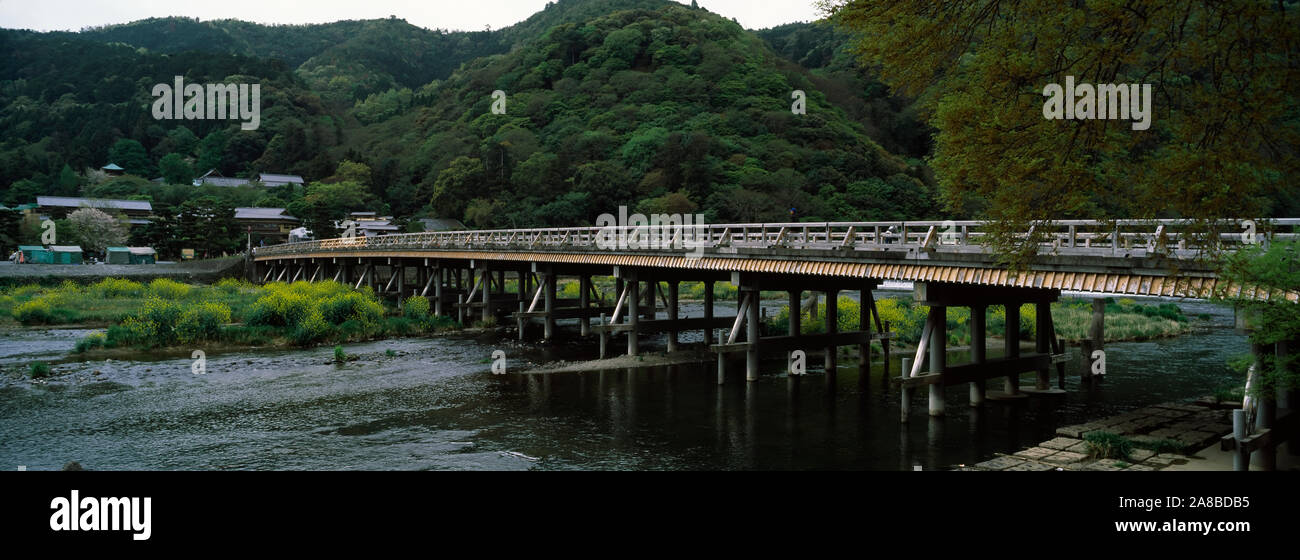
{"x": 71, "y": 15}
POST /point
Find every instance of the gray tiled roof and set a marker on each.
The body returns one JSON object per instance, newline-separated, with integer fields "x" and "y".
{"x": 269, "y": 178}
{"x": 73, "y": 202}
{"x": 224, "y": 181}
{"x": 255, "y": 213}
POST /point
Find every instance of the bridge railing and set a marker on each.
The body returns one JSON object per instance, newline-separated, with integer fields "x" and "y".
{"x": 1179, "y": 238}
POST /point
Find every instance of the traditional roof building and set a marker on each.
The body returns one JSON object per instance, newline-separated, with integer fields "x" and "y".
{"x": 270, "y": 224}
{"x": 62, "y": 205}
{"x": 277, "y": 180}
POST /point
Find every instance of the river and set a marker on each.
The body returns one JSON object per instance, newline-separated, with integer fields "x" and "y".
{"x": 433, "y": 404}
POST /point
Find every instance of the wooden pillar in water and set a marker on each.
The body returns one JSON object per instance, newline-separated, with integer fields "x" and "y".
{"x": 708, "y": 312}
{"x": 884, "y": 350}
{"x": 1266, "y": 410}
{"x": 651, "y": 290}
{"x": 796, "y": 318}
{"x": 487, "y": 294}
{"x": 1043, "y": 341}
{"x": 1096, "y": 337}
{"x": 439, "y": 274}
{"x": 633, "y": 316}
{"x": 905, "y": 401}
{"x": 938, "y": 355}
{"x": 1013, "y": 345}
{"x": 832, "y": 328}
{"x": 672, "y": 315}
{"x": 751, "y": 333}
{"x": 548, "y": 283}
{"x": 584, "y": 300}
{"x": 864, "y": 325}
{"x": 978, "y": 349}
{"x": 400, "y": 271}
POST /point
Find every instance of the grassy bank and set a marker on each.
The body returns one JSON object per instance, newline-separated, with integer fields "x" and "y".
{"x": 1125, "y": 320}
{"x": 167, "y": 314}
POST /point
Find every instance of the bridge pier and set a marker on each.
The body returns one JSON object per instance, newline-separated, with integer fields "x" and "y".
{"x": 938, "y": 356}
{"x": 794, "y": 326}
{"x": 751, "y": 329}
{"x": 1011, "y": 335}
{"x": 832, "y": 327}
{"x": 708, "y": 312}
{"x": 548, "y": 286}
{"x": 672, "y": 315}
{"x": 978, "y": 350}
{"x": 633, "y": 317}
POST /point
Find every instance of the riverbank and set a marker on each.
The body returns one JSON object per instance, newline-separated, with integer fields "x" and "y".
{"x": 164, "y": 315}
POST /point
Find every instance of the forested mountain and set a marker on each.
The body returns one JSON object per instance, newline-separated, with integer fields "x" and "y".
{"x": 821, "y": 48}
{"x": 647, "y": 103}
{"x": 670, "y": 107}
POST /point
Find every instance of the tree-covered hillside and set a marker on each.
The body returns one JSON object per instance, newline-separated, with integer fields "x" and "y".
{"x": 671, "y": 108}
{"x": 646, "y": 103}
{"x": 66, "y": 102}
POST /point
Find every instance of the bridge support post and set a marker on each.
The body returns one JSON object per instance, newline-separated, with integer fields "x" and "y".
{"x": 751, "y": 330}
{"x": 370, "y": 276}
{"x": 1013, "y": 346}
{"x": 1043, "y": 336}
{"x": 796, "y": 318}
{"x": 400, "y": 270}
{"x": 584, "y": 300}
{"x": 422, "y": 277}
{"x": 651, "y": 286}
{"x": 864, "y": 325}
{"x": 548, "y": 280}
{"x": 884, "y": 349}
{"x": 1266, "y": 410}
{"x": 439, "y": 278}
{"x": 978, "y": 349}
{"x": 708, "y": 312}
{"x": 905, "y": 400}
{"x": 938, "y": 355}
{"x": 672, "y": 315}
{"x": 832, "y": 327}
{"x": 633, "y": 315}
{"x": 487, "y": 294}
{"x": 1096, "y": 337}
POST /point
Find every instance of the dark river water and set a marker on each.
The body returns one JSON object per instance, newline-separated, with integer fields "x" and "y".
{"x": 436, "y": 405}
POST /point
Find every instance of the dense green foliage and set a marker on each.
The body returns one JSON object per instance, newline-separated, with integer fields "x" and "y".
{"x": 1221, "y": 141}
{"x": 631, "y": 107}
{"x": 645, "y": 103}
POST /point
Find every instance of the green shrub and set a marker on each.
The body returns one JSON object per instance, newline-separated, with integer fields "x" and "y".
{"x": 279, "y": 309}
{"x": 116, "y": 287}
{"x": 202, "y": 322}
{"x": 34, "y": 312}
{"x": 415, "y": 306}
{"x": 38, "y": 370}
{"x": 311, "y": 329}
{"x": 352, "y": 306}
{"x": 26, "y": 290}
{"x": 92, "y": 340}
{"x": 339, "y": 355}
{"x": 169, "y": 289}
{"x": 1106, "y": 445}
{"x": 231, "y": 285}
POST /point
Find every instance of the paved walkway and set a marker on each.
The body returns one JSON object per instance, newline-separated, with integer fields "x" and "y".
{"x": 1187, "y": 425}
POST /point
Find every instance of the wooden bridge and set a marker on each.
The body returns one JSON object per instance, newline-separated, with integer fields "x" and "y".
{"x": 465, "y": 273}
